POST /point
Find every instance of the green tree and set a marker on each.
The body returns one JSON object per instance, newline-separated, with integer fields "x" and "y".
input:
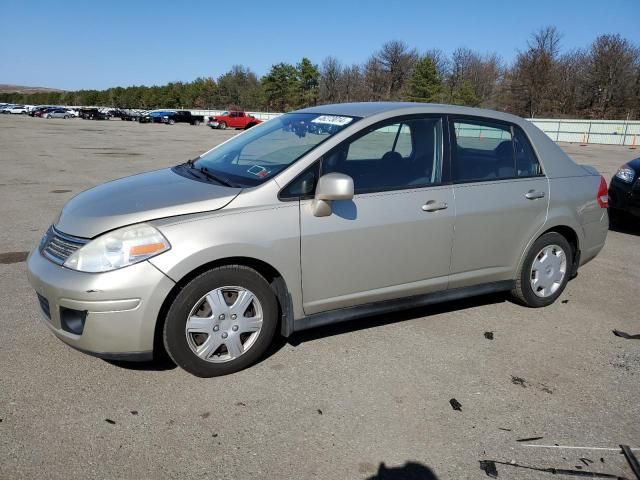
{"x": 463, "y": 94}
{"x": 307, "y": 82}
{"x": 280, "y": 87}
{"x": 425, "y": 83}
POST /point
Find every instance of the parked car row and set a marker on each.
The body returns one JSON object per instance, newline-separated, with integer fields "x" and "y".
{"x": 231, "y": 119}
{"x": 171, "y": 117}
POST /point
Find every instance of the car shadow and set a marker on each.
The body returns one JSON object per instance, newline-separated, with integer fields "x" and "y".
{"x": 408, "y": 471}
{"x": 163, "y": 362}
{"x": 395, "y": 317}
{"x": 160, "y": 363}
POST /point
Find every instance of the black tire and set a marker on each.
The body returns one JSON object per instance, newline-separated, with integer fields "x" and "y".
{"x": 66, "y": 117}
{"x": 174, "y": 337}
{"x": 172, "y": 122}
{"x": 523, "y": 292}
{"x": 196, "y": 123}
{"x": 222, "y": 126}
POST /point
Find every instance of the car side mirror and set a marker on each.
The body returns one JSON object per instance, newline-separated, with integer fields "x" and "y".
{"x": 332, "y": 186}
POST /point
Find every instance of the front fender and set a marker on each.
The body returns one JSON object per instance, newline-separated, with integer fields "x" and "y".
{"x": 268, "y": 234}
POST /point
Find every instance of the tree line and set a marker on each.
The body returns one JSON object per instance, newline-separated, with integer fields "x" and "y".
{"x": 600, "y": 81}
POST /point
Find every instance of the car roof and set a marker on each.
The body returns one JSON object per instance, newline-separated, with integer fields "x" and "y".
{"x": 368, "y": 109}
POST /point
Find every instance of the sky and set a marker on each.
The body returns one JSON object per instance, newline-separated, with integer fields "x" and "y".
{"x": 95, "y": 44}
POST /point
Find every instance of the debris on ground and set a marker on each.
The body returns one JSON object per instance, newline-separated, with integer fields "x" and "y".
{"x": 489, "y": 467}
{"x": 586, "y": 461}
{"x": 565, "y": 301}
{"x": 488, "y": 335}
{"x": 519, "y": 381}
{"x": 505, "y": 429}
{"x": 241, "y": 404}
{"x": 530, "y": 439}
{"x": 620, "y": 333}
{"x": 205, "y": 415}
{"x": 134, "y": 412}
{"x": 108, "y": 420}
{"x": 455, "y": 404}
{"x": 319, "y": 412}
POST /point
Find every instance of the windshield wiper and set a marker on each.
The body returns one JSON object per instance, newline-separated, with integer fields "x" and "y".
{"x": 216, "y": 178}
{"x": 207, "y": 173}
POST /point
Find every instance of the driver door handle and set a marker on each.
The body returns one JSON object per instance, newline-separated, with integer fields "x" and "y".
{"x": 433, "y": 206}
{"x": 532, "y": 195}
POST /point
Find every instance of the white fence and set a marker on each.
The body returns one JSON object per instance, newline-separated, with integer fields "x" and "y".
{"x": 608, "y": 132}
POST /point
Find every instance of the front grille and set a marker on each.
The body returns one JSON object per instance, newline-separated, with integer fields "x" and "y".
{"x": 44, "y": 305}
{"x": 57, "y": 246}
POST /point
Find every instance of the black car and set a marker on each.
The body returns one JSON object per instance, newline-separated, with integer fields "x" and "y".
{"x": 183, "y": 116}
{"x": 624, "y": 190}
{"x": 93, "y": 114}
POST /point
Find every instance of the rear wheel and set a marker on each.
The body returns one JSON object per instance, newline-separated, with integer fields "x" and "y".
{"x": 545, "y": 271}
{"x": 221, "y": 322}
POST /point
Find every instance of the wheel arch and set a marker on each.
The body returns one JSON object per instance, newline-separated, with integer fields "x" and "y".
{"x": 567, "y": 231}
{"x": 271, "y": 274}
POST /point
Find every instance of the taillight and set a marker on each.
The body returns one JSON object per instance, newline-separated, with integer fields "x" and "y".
{"x": 603, "y": 194}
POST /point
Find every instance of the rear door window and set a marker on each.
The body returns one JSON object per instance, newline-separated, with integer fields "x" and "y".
{"x": 482, "y": 151}
{"x": 527, "y": 164}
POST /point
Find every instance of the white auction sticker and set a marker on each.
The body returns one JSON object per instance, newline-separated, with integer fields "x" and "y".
{"x": 332, "y": 120}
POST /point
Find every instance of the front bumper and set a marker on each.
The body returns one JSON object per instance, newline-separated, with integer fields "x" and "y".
{"x": 119, "y": 309}
{"x": 625, "y": 196}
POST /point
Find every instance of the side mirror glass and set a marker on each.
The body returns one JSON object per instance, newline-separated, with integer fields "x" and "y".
{"x": 332, "y": 186}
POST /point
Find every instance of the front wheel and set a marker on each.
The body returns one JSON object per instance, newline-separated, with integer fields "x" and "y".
{"x": 545, "y": 271}
{"x": 221, "y": 322}
{"x": 222, "y": 126}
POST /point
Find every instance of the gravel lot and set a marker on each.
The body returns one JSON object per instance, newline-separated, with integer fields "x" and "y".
{"x": 331, "y": 403}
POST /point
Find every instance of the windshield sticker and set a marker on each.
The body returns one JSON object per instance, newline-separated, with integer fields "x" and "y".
{"x": 332, "y": 120}
{"x": 258, "y": 171}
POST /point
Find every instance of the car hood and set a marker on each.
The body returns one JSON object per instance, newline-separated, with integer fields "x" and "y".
{"x": 139, "y": 198}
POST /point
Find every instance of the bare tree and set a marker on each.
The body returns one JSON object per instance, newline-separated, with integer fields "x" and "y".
{"x": 351, "y": 84}
{"x": 375, "y": 80}
{"x": 396, "y": 60}
{"x": 330, "y": 73}
{"x": 612, "y": 76}
{"x": 534, "y": 75}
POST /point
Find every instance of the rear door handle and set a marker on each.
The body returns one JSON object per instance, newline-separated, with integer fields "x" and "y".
{"x": 433, "y": 206}
{"x": 532, "y": 194}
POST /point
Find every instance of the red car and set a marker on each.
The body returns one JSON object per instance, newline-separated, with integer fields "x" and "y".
{"x": 233, "y": 119}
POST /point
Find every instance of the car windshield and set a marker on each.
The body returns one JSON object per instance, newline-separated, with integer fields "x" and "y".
{"x": 260, "y": 153}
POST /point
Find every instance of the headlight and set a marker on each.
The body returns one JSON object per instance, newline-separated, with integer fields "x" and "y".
{"x": 119, "y": 248}
{"x": 625, "y": 173}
